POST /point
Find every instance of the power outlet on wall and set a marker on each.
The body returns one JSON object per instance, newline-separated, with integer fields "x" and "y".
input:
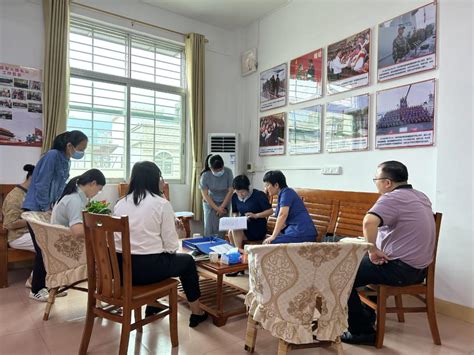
{"x": 331, "y": 170}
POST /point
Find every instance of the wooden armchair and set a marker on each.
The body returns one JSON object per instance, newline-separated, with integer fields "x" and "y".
{"x": 298, "y": 292}
{"x": 9, "y": 255}
{"x": 64, "y": 256}
{"x": 423, "y": 291}
{"x": 107, "y": 285}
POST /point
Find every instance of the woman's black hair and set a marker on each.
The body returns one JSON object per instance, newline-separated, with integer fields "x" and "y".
{"x": 29, "y": 169}
{"x": 89, "y": 176}
{"x": 275, "y": 176}
{"x": 213, "y": 161}
{"x": 241, "y": 182}
{"x": 145, "y": 178}
{"x": 73, "y": 137}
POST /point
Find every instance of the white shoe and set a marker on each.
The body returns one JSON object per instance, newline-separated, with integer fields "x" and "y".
{"x": 41, "y": 296}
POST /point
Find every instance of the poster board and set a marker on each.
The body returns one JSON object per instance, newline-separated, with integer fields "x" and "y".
{"x": 272, "y": 134}
{"x": 306, "y": 77}
{"x": 273, "y": 87}
{"x": 21, "y": 107}
{"x": 304, "y": 130}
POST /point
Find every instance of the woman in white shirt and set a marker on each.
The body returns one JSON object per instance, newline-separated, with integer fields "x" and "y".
{"x": 153, "y": 238}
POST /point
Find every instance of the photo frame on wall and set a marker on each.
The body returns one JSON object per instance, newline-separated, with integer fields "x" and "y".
{"x": 273, "y": 87}
{"x": 272, "y": 134}
{"x": 306, "y": 77}
{"x": 304, "y": 130}
{"x": 347, "y": 124}
{"x": 248, "y": 62}
{"x": 407, "y": 43}
{"x": 348, "y": 63}
{"x": 405, "y": 116}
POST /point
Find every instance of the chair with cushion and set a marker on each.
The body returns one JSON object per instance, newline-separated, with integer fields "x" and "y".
{"x": 298, "y": 292}
{"x": 64, "y": 255}
{"x": 423, "y": 291}
{"x": 109, "y": 290}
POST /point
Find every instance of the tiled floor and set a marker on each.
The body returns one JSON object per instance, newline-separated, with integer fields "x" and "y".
{"x": 22, "y": 331}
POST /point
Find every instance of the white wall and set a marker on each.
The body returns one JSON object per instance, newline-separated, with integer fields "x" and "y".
{"x": 444, "y": 172}
{"x": 21, "y": 39}
{"x": 21, "y": 42}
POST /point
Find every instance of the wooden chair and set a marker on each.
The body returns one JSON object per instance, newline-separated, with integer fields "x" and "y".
{"x": 423, "y": 291}
{"x": 8, "y": 255}
{"x": 349, "y": 218}
{"x": 64, "y": 256}
{"x": 107, "y": 285}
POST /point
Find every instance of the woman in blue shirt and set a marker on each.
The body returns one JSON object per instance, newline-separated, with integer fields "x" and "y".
{"x": 47, "y": 184}
{"x": 216, "y": 189}
{"x": 252, "y": 203}
{"x": 293, "y": 224}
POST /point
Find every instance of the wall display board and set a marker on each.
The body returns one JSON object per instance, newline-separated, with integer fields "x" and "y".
{"x": 272, "y": 134}
{"x": 21, "y": 108}
{"x": 306, "y": 77}
{"x": 407, "y": 43}
{"x": 348, "y": 63}
{"x": 273, "y": 87}
{"x": 405, "y": 116}
{"x": 304, "y": 130}
{"x": 347, "y": 124}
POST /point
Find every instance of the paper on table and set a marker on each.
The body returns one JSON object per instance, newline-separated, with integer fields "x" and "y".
{"x": 222, "y": 248}
{"x": 226, "y": 223}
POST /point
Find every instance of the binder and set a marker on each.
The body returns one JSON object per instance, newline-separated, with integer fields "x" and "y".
{"x": 203, "y": 244}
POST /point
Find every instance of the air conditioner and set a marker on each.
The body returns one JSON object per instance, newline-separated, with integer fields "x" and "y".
{"x": 227, "y": 145}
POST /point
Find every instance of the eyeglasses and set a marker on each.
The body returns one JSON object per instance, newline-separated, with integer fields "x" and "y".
{"x": 383, "y": 178}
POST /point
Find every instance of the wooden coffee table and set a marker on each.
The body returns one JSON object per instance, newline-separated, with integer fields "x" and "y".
{"x": 218, "y": 298}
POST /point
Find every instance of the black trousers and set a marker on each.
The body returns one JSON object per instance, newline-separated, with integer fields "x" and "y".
{"x": 393, "y": 273}
{"x": 38, "y": 280}
{"x": 151, "y": 268}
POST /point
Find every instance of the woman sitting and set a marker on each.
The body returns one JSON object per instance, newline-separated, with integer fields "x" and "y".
{"x": 252, "y": 203}
{"x": 18, "y": 235}
{"x": 293, "y": 224}
{"x": 153, "y": 238}
{"x": 68, "y": 210}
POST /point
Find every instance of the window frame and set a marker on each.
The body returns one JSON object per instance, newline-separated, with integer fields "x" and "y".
{"x": 128, "y": 83}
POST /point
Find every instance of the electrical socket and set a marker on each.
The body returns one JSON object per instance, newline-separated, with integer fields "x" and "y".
{"x": 331, "y": 170}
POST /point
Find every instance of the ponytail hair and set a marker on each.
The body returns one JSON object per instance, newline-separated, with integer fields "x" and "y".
{"x": 84, "y": 179}
{"x": 213, "y": 161}
{"x": 73, "y": 137}
{"x": 29, "y": 169}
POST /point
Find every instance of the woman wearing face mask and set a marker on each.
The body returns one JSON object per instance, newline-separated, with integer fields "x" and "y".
{"x": 47, "y": 184}
{"x": 68, "y": 210}
{"x": 252, "y": 203}
{"x": 216, "y": 189}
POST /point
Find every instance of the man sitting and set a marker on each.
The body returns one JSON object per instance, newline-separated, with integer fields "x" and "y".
{"x": 401, "y": 225}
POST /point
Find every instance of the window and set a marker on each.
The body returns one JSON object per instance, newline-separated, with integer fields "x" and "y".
{"x": 127, "y": 94}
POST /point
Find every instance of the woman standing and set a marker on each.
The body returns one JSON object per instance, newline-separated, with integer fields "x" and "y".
{"x": 293, "y": 224}
{"x": 18, "y": 235}
{"x": 153, "y": 238}
{"x": 47, "y": 184}
{"x": 216, "y": 189}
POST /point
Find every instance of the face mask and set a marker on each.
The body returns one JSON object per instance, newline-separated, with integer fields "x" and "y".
{"x": 218, "y": 173}
{"x": 77, "y": 155}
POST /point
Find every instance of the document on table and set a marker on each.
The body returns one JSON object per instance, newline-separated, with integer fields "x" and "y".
{"x": 222, "y": 248}
{"x": 226, "y": 223}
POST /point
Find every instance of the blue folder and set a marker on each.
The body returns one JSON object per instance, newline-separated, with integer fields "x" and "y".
{"x": 203, "y": 244}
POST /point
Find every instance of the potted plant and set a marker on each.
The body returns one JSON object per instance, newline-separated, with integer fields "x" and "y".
{"x": 99, "y": 207}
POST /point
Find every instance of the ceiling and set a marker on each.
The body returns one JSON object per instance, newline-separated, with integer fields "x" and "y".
{"x": 227, "y": 14}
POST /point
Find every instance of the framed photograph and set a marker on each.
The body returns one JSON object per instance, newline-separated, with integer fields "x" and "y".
{"x": 347, "y": 124}
{"x": 304, "y": 130}
{"x": 348, "y": 63}
{"x": 248, "y": 62}
{"x": 405, "y": 116}
{"x": 306, "y": 77}
{"x": 407, "y": 43}
{"x": 273, "y": 87}
{"x": 272, "y": 134}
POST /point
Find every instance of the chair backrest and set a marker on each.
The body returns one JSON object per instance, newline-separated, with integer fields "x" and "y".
{"x": 430, "y": 275}
{"x": 4, "y": 191}
{"x": 287, "y": 281}
{"x": 102, "y": 262}
{"x": 123, "y": 189}
{"x": 349, "y": 218}
{"x": 64, "y": 255}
